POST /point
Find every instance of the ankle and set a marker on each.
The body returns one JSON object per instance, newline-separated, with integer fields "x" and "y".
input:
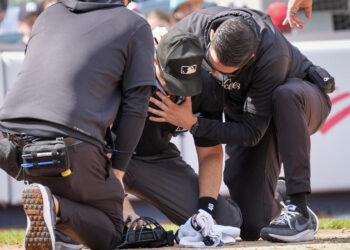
{"x": 57, "y": 206}
{"x": 299, "y": 200}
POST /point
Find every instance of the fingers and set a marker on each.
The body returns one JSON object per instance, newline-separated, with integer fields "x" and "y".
{"x": 168, "y": 102}
{"x": 157, "y": 119}
{"x": 308, "y": 12}
{"x": 156, "y": 112}
{"x": 294, "y": 20}
{"x": 159, "y": 104}
{"x": 131, "y": 218}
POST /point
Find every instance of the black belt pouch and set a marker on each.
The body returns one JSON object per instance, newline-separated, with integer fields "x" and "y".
{"x": 45, "y": 158}
{"x": 321, "y": 78}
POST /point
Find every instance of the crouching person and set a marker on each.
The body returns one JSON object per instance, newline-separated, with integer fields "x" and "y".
{"x": 56, "y": 115}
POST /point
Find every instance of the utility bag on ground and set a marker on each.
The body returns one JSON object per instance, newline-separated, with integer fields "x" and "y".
{"x": 150, "y": 235}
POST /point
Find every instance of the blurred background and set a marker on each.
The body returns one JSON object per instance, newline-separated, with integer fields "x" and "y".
{"x": 325, "y": 40}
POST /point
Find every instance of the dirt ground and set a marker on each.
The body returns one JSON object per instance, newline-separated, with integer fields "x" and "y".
{"x": 338, "y": 239}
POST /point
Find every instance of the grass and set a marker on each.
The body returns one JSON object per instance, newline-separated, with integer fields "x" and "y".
{"x": 17, "y": 236}
{"x": 11, "y": 236}
{"x": 334, "y": 223}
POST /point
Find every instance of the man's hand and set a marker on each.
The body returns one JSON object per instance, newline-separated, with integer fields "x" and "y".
{"x": 292, "y": 17}
{"x": 129, "y": 214}
{"x": 178, "y": 115}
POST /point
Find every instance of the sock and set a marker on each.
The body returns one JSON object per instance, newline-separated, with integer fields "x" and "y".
{"x": 299, "y": 200}
{"x": 208, "y": 204}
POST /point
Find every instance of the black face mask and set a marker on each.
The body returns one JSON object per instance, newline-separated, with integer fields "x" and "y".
{"x": 221, "y": 78}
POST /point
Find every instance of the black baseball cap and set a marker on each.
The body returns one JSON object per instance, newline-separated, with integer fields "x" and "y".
{"x": 180, "y": 56}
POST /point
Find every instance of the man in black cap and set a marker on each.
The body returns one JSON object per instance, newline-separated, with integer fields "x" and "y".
{"x": 274, "y": 99}
{"x": 86, "y": 63}
{"x": 157, "y": 173}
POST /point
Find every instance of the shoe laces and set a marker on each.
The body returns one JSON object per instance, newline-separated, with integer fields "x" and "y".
{"x": 286, "y": 216}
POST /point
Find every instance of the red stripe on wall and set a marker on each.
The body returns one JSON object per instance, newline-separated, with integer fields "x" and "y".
{"x": 339, "y": 98}
{"x": 335, "y": 119}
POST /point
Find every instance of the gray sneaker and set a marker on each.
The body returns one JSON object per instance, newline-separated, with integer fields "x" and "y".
{"x": 290, "y": 226}
{"x": 64, "y": 242}
{"x": 281, "y": 195}
{"x": 39, "y": 207}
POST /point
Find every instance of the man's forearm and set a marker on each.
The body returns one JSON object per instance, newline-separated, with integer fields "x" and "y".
{"x": 247, "y": 132}
{"x": 129, "y": 126}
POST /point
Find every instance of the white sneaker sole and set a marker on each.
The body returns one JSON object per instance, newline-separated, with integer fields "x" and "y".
{"x": 67, "y": 246}
{"x": 36, "y": 204}
{"x": 306, "y": 235}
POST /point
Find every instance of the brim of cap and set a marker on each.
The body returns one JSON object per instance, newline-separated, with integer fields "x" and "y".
{"x": 184, "y": 87}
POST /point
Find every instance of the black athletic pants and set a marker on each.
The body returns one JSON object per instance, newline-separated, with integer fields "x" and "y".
{"x": 90, "y": 199}
{"x": 171, "y": 185}
{"x": 251, "y": 173}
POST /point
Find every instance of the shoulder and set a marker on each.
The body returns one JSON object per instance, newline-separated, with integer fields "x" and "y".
{"x": 135, "y": 20}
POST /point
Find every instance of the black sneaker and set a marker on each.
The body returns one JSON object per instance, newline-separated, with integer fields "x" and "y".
{"x": 39, "y": 207}
{"x": 64, "y": 242}
{"x": 281, "y": 195}
{"x": 290, "y": 226}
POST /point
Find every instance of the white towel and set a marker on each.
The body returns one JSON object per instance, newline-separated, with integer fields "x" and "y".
{"x": 228, "y": 233}
{"x": 200, "y": 231}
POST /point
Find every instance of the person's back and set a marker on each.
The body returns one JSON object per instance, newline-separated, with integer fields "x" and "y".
{"x": 75, "y": 80}
{"x": 86, "y": 63}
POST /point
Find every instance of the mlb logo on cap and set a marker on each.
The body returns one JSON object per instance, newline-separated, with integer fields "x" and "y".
{"x": 188, "y": 70}
{"x": 179, "y": 56}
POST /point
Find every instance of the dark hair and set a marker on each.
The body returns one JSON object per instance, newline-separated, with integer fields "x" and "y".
{"x": 234, "y": 42}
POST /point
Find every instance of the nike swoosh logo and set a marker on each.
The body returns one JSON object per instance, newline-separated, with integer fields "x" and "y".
{"x": 300, "y": 227}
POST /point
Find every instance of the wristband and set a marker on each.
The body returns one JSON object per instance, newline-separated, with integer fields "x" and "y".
{"x": 208, "y": 204}
{"x": 195, "y": 128}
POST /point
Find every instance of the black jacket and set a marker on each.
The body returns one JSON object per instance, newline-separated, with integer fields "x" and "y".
{"x": 248, "y": 106}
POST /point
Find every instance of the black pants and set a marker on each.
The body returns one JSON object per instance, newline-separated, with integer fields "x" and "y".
{"x": 251, "y": 173}
{"x": 171, "y": 185}
{"x": 90, "y": 199}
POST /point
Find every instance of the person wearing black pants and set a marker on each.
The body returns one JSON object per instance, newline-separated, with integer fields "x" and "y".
{"x": 157, "y": 173}
{"x": 271, "y": 109}
{"x": 99, "y": 66}
{"x": 257, "y": 168}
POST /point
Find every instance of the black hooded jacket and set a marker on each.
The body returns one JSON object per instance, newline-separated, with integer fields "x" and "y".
{"x": 248, "y": 104}
{"x": 86, "y": 62}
